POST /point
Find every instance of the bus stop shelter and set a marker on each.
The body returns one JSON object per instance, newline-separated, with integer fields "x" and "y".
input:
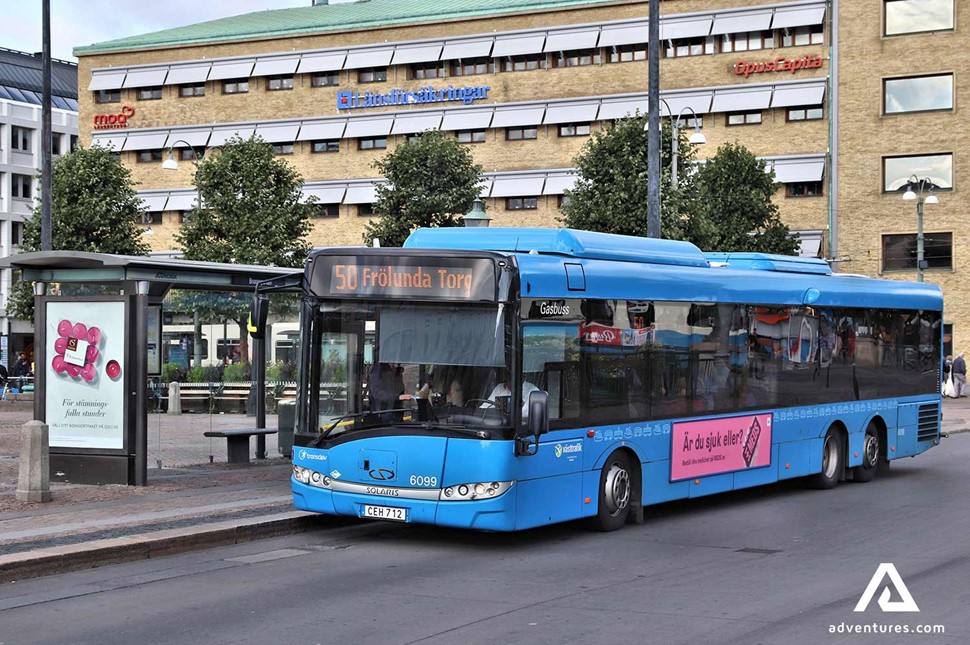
{"x": 93, "y": 352}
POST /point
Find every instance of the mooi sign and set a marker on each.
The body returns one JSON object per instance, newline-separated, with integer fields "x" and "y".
{"x": 110, "y": 121}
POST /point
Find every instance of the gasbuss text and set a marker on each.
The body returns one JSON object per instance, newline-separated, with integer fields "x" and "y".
{"x": 352, "y": 278}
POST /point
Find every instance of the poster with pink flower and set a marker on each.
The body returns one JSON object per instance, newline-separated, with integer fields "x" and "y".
{"x": 85, "y": 374}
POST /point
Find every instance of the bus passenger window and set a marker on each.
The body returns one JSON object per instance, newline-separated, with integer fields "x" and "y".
{"x": 550, "y": 353}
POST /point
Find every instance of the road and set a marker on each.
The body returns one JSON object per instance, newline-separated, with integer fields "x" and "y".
{"x": 780, "y": 564}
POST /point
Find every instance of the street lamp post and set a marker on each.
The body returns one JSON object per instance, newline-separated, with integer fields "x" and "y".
{"x": 918, "y": 197}
{"x": 476, "y": 217}
{"x": 697, "y": 138}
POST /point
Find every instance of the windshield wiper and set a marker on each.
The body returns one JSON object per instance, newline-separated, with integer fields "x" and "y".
{"x": 324, "y": 433}
{"x": 465, "y": 430}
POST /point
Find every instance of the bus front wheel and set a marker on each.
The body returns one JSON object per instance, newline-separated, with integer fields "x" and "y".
{"x": 615, "y": 492}
{"x": 832, "y": 462}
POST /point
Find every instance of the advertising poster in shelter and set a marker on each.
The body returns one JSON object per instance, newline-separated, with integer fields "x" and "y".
{"x": 85, "y": 374}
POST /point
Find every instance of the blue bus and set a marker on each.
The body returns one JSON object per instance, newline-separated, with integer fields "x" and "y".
{"x": 503, "y": 379}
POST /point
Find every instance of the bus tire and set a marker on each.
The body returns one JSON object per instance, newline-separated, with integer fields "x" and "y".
{"x": 871, "y": 456}
{"x": 832, "y": 462}
{"x": 615, "y": 492}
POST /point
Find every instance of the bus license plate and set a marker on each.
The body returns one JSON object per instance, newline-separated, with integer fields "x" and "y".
{"x": 386, "y": 513}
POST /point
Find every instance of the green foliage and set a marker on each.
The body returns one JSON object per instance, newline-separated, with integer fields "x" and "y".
{"x": 172, "y": 372}
{"x": 431, "y": 182}
{"x": 94, "y": 208}
{"x": 204, "y": 374}
{"x": 254, "y": 211}
{"x": 734, "y": 197}
{"x": 236, "y": 373}
{"x": 273, "y": 371}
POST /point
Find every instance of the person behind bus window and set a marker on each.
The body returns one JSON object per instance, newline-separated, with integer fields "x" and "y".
{"x": 385, "y": 386}
{"x": 502, "y": 390}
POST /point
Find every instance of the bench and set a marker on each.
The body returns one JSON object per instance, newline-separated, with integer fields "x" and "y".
{"x": 230, "y": 397}
{"x": 237, "y": 442}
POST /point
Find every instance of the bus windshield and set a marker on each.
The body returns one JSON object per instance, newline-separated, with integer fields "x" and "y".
{"x": 398, "y": 364}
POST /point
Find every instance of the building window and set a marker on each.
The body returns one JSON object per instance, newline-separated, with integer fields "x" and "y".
{"x": 470, "y": 136}
{"x": 803, "y": 189}
{"x": 627, "y": 53}
{"x": 107, "y": 96}
{"x": 278, "y": 83}
{"x": 332, "y": 145}
{"x": 521, "y": 203}
{"x": 372, "y": 143}
{"x": 692, "y": 122}
{"x": 577, "y": 58}
{"x": 16, "y": 233}
{"x": 913, "y": 16}
{"x": 192, "y": 89}
{"x": 148, "y": 156}
{"x": 182, "y": 216}
{"x": 434, "y": 69}
{"x": 800, "y": 36}
{"x": 899, "y": 251}
{"x": 574, "y": 130}
{"x": 744, "y": 118}
{"x": 187, "y": 154}
{"x": 747, "y": 41}
{"x": 73, "y": 142}
{"x": 804, "y": 113}
{"x": 472, "y": 66}
{"x": 372, "y": 75}
{"x": 918, "y": 94}
{"x": 326, "y": 210}
{"x": 236, "y": 86}
{"x": 897, "y": 171}
{"x": 365, "y": 210}
{"x": 20, "y": 138}
{"x": 20, "y": 186}
{"x": 682, "y": 47}
{"x": 524, "y": 63}
{"x": 325, "y": 79}
{"x": 148, "y": 93}
{"x": 152, "y": 217}
{"x": 282, "y": 148}
{"x": 55, "y": 144}
{"x": 562, "y": 200}
{"x": 520, "y": 134}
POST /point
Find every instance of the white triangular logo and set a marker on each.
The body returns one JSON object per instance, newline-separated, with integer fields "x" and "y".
{"x": 887, "y": 569}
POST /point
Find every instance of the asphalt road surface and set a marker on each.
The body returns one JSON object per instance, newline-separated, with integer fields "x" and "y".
{"x": 779, "y": 564}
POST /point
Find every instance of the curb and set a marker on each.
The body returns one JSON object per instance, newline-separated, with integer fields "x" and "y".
{"x": 90, "y": 555}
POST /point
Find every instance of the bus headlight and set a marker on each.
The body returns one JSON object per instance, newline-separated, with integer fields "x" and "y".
{"x": 310, "y": 477}
{"x": 473, "y": 491}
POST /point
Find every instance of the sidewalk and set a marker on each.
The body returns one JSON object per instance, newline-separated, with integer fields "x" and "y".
{"x": 181, "y": 509}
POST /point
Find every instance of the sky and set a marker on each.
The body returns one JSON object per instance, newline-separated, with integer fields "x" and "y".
{"x": 83, "y": 22}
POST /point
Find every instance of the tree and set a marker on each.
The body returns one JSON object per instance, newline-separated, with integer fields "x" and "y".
{"x": 431, "y": 181}
{"x": 94, "y": 208}
{"x": 733, "y": 196}
{"x": 254, "y": 213}
{"x": 610, "y": 194}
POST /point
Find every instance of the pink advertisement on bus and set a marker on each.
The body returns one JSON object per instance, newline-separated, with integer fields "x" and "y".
{"x": 714, "y": 446}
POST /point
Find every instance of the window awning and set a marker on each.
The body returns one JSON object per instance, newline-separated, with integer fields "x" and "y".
{"x": 700, "y": 102}
{"x": 809, "y": 242}
{"x": 147, "y": 141}
{"x": 219, "y": 137}
{"x": 798, "y": 17}
{"x": 571, "y": 113}
{"x": 188, "y": 74}
{"x": 558, "y": 184}
{"x": 183, "y": 202}
{"x": 278, "y": 133}
{"x": 466, "y": 120}
{"x": 109, "y": 80}
{"x": 628, "y": 34}
{"x": 408, "y": 54}
{"x": 361, "y": 194}
{"x": 741, "y": 100}
{"x": 467, "y": 49}
{"x": 802, "y": 94}
{"x": 414, "y": 123}
{"x": 789, "y": 171}
{"x": 369, "y": 58}
{"x": 231, "y": 69}
{"x": 379, "y": 127}
{"x": 674, "y": 28}
{"x": 191, "y": 138}
{"x": 517, "y": 186}
{"x": 572, "y": 39}
{"x": 110, "y": 143}
{"x": 510, "y": 118}
{"x": 326, "y": 62}
{"x": 613, "y": 109}
{"x": 518, "y": 45}
{"x": 154, "y": 203}
{"x": 485, "y": 187}
{"x": 145, "y": 77}
{"x": 735, "y": 23}
{"x": 326, "y": 131}
{"x": 326, "y": 194}
{"x": 276, "y": 66}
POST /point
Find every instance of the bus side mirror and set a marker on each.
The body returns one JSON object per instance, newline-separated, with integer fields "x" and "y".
{"x": 258, "y": 312}
{"x": 538, "y": 413}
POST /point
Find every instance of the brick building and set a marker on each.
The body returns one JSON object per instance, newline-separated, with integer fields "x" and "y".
{"x": 839, "y": 97}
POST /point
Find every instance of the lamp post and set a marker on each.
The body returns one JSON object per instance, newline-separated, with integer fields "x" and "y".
{"x": 476, "y": 217}
{"x": 170, "y": 163}
{"x": 697, "y": 138}
{"x": 917, "y": 196}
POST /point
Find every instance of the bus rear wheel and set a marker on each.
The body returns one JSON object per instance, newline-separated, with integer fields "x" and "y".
{"x": 832, "y": 462}
{"x": 871, "y": 456}
{"x": 615, "y": 493}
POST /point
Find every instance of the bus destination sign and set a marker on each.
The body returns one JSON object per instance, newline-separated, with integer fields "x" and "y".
{"x": 446, "y": 278}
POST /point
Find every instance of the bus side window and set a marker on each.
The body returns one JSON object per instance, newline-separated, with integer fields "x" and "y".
{"x": 549, "y": 360}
